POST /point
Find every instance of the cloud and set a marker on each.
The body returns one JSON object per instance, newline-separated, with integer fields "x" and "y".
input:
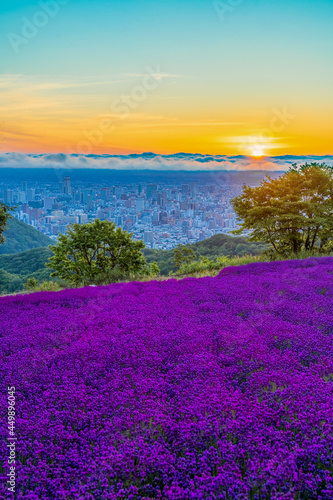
{"x": 152, "y": 161}
{"x": 28, "y": 83}
{"x": 60, "y": 85}
{"x": 158, "y": 75}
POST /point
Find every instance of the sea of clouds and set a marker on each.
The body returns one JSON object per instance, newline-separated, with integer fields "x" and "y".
{"x": 156, "y": 162}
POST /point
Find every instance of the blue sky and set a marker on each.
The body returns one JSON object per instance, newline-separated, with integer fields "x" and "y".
{"x": 236, "y": 68}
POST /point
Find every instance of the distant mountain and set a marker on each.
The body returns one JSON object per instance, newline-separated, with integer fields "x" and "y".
{"x": 20, "y": 237}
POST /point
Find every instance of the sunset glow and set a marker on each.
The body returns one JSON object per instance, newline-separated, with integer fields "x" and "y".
{"x": 258, "y": 152}
{"x": 145, "y": 79}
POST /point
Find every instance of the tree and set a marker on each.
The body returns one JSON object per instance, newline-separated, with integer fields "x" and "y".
{"x": 31, "y": 284}
{"x": 154, "y": 270}
{"x": 4, "y": 216}
{"x": 96, "y": 253}
{"x": 292, "y": 213}
{"x": 183, "y": 255}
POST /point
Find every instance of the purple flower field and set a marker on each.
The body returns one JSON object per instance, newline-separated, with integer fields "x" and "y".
{"x": 211, "y": 388}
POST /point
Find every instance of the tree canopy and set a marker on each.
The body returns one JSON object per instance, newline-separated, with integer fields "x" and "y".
{"x": 293, "y": 212}
{"x": 4, "y": 216}
{"x": 96, "y": 253}
{"x": 183, "y": 255}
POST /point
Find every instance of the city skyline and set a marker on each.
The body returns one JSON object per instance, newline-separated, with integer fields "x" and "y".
{"x": 187, "y": 208}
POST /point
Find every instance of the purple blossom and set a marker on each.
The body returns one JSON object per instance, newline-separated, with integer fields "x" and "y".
{"x": 212, "y": 388}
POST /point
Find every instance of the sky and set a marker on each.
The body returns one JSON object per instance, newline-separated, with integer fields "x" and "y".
{"x": 234, "y": 77}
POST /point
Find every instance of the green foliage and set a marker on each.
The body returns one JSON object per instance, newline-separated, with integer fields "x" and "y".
{"x": 19, "y": 267}
{"x": 206, "y": 267}
{"x": 217, "y": 246}
{"x": 32, "y": 285}
{"x": 223, "y": 245}
{"x": 292, "y": 213}
{"x": 154, "y": 269}
{"x": 26, "y": 263}
{"x": 10, "y": 283}
{"x": 21, "y": 237}
{"x": 96, "y": 253}
{"x": 164, "y": 259}
{"x": 31, "y": 263}
{"x": 4, "y": 216}
{"x": 183, "y": 255}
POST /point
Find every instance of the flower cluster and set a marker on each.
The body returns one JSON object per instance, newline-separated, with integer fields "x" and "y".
{"x": 211, "y": 388}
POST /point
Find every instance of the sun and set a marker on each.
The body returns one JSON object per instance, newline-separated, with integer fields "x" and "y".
{"x": 257, "y": 151}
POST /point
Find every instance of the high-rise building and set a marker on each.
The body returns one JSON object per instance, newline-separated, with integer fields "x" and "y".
{"x": 9, "y": 196}
{"x": 48, "y": 203}
{"x": 89, "y": 202}
{"x": 66, "y": 186}
{"x": 193, "y": 189}
{"x": 25, "y": 218}
{"x": 105, "y": 193}
{"x": 83, "y": 218}
{"x": 151, "y": 190}
{"x": 31, "y": 193}
{"x": 58, "y": 214}
{"x": 140, "y": 204}
{"x": 161, "y": 198}
{"x": 21, "y": 197}
{"x": 148, "y": 237}
{"x": 185, "y": 188}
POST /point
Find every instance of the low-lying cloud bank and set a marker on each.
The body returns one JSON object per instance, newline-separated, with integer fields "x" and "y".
{"x": 152, "y": 161}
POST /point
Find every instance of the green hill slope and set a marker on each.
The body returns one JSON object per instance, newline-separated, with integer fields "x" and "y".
{"x": 25, "y": 263}
{"x": 10, "y": 283}
{"x": 217, "y": 246}
{"x": 20, "y": 237}
{"x": 15, "y": 269}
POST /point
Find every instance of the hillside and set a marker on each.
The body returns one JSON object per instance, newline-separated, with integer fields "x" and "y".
{"x": 194, "y": 389}
{"x": 17, "y": 268}
{"x": 217, "y": 246}
{"x": 21, "y": 237}
{"x": 31, "y": 263}
{"x": 10, "y": 283}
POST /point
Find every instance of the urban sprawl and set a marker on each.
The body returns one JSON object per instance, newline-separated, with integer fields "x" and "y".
{"x": 162, "y": 215}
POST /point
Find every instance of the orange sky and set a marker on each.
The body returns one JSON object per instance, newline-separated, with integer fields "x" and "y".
{"x": 168, "y": 77}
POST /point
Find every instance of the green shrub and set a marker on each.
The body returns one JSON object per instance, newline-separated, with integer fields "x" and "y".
{"x": 32, "y": 285}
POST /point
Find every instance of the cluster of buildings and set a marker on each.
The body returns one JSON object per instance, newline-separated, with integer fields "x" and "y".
{"x": 160, "y": 214}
